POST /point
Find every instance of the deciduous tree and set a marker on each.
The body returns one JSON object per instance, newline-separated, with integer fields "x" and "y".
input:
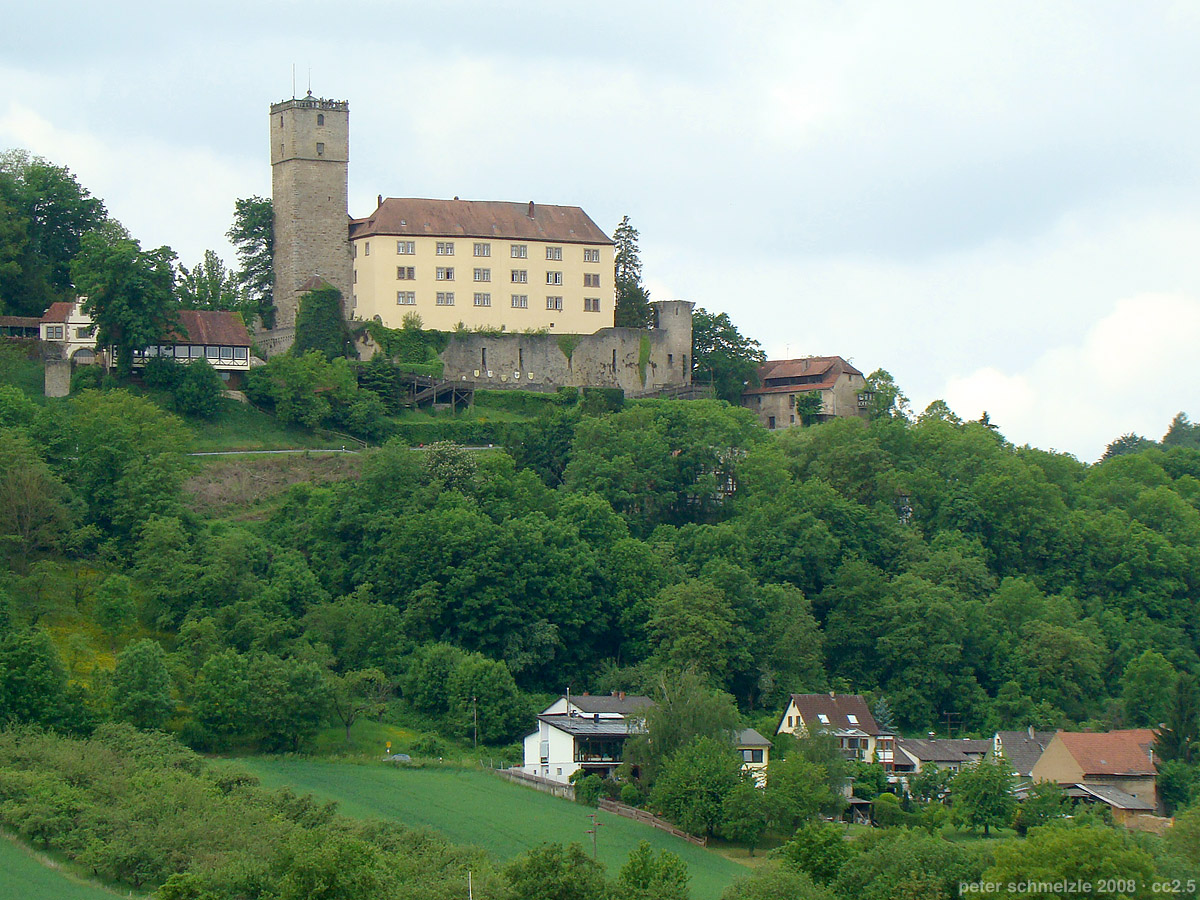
{"x": 141, "y": 686}
{"x": 129, "y": 292}
{"x": 253, "y": 235}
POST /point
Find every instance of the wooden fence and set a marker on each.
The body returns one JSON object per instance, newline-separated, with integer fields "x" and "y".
{"x": 640, "y": 815}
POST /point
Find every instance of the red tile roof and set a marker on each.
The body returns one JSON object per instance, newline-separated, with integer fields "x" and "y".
{"x": 837, "y": 708}
{"x": 1111, "y": 752}
{"x": 211, "y": 327}
{"x": 58, "y": 312}
{"x": 480, "y": 219}
{"x": 799, "y": 376}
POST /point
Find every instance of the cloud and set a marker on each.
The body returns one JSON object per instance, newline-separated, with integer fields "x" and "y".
{"x": 1131, "y": 371}
{"x": 180, "y": 196}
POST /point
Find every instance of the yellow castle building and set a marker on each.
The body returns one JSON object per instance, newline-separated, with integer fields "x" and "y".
{"x": 482, "y": 264}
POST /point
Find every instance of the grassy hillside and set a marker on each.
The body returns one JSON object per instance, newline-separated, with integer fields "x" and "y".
{"x": 23, "y": 877}
{"x": 473, "y": 807}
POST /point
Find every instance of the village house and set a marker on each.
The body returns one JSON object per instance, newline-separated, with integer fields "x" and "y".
{"x": 583, "y": 731}
{"x": 845, "y": 717}
{"x": 755, "y": 751}
{"x": 1115, "y": 768}
{"x": 219, "y": 336}
{"x": 841, "y": 388}
{"x": 67, "y": 325}
{"x": 948, "y": 754}
{"x": 1022, "y": 749}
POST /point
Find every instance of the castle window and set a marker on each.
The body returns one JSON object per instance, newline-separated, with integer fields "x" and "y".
{"x": 483, "y": 249}
{"x": 320, "y": 149}
{"x": 591, "y": 304}
{"x": 445, "y": 248}
{"x": 520, "y": 301}
{"x": 519, "y": 251}
{"x": 406, "y": 248}
{"x": 554, "y": 278}
{"x": 554, "y": 253}
{"x": 520, "y": 276}
{"x": 483, "y": 274}
{"x": 591, "y": 255}
{"x": 445, "y": 274}
{"x": 591, "y": 280}
{"x": 445, "y": 298}
{"x": 367, "y": 249}
{"x": 554, "y": 303}
{"x": 406, "y": 298}
{"x": 483, "y": 299}
{"x": 320, "y": 118}
{"x": 405, "y": 273}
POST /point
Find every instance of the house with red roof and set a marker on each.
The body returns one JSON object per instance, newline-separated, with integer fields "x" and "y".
{"x": 1115, "y": 768}
{"x": 842, "y": 390}
{"x": 219, "y": 336}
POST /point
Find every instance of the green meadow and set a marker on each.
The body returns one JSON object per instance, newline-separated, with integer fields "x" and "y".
{"x": 471, "y": 806}
{"x": 24, "y": 877}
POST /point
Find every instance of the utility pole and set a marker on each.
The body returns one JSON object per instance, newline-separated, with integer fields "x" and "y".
{"x": 475, "y": 716}
{"x": 949, "y": 724}
{"x": 593, "y": 831}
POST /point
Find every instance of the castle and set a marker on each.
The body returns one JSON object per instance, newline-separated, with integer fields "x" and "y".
{"x": 527, "y": 287}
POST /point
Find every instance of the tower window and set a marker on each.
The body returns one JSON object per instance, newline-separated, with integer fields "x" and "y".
{"x": 320, "y": 118}
{"x": 320, "y": 149}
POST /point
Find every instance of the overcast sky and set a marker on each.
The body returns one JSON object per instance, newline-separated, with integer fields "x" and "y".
{"x": 996, "y": 202}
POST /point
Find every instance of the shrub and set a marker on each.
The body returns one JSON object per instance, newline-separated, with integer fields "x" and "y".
{"x": 631, "y": 795}
{"x": 162, "y": 373}
{"x": 86, "y": 378}
{"x": 597, "y": 401}
{"x": 199, "y": 391}
{"x": 428, "y": 745}
{"x": 588, "y": 788}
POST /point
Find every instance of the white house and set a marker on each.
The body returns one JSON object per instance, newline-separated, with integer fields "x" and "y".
{"x": 847, "y": 718}
{"x": 755, "y": 751}
{"x": 583, "y": 732}
{"x": 65, "y": 323}
{"x": 219, "y": 336}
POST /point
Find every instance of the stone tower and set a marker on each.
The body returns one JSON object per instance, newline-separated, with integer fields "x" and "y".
{"x": 310, "y": 155}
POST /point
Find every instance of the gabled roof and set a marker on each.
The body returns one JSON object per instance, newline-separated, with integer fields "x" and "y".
{"x": 798, "y": 376}
{"x": 495, "y": 219}
{"x": 1023, "y": 750}
{"x": 58, "y": 312}
{"x": 944, "y": 750}
{"x": 841, "y": 710}
{"x": 216, "y": 326}
{"x": 1111, "y": 752}
{"x": 624, "y": 704}
{"x": 748, "y": 737}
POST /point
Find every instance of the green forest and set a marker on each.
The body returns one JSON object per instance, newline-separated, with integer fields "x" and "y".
{"x": 672, "y": 548}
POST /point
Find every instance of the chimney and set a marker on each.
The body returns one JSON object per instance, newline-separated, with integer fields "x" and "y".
{"x": 531, "y": 209}
{"x": 613, "y": 694}
{"x": 380, "y": 201}
{"x": 1031, "y": 732}
{"x": 620, "y": 695}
